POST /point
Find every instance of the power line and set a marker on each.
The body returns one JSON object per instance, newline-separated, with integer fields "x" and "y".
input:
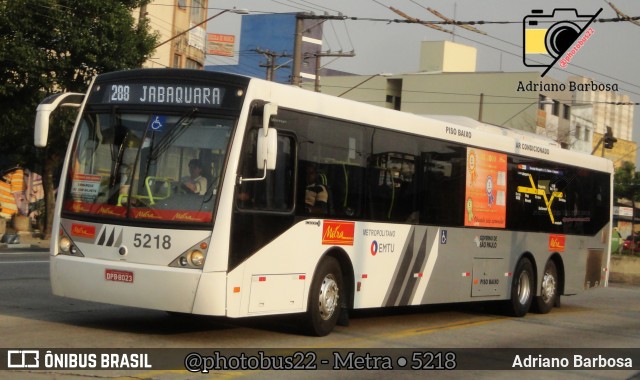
{"x": 480, "y": 22}
{"x": 409, "y": 18}
{"x": 471, "y": 94}
{"x": 436, "y": 23}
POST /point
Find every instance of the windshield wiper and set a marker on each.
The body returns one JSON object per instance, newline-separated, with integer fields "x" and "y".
{"x": 181, "y": 126}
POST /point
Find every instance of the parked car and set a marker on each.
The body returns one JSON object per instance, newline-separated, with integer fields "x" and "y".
{"x": 631, "y": 244}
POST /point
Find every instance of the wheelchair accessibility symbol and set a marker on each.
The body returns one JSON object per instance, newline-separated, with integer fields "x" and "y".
{"x": 443, "y": 237}
{"x": 157, "y": 123}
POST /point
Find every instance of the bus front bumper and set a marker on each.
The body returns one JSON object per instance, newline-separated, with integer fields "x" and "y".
{"x": 139, "y": 285}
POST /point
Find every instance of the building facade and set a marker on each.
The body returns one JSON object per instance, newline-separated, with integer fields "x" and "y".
{"x": 269, "y": 44}
{"x": 175, "y": 18}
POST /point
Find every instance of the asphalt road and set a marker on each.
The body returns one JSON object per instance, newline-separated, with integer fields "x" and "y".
{"x": 32, "y": 318}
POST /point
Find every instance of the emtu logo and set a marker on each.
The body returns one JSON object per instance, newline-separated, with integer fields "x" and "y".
{"x": 548, "y": 37}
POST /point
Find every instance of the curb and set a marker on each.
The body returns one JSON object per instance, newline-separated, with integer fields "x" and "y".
{"x": 4, "y": 247}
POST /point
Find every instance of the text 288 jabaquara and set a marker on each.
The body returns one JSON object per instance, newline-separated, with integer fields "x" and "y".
{"x": 166, "y": 94}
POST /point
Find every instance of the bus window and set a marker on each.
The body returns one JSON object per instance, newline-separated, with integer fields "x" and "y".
{"x": 137, "y": 166}
{"x": 275, "y": 192}
{"x": 441, "y": 182}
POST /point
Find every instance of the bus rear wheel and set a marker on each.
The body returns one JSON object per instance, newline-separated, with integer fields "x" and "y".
{"x": 521, "y": 289}
{"x": 324, "y": 298}
{"x": 548, "y": 289}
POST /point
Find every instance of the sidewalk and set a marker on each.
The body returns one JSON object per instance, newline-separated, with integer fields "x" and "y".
{"x": 26, "y": 241}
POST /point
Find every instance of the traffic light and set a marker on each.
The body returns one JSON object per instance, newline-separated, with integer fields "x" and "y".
{"x": 608, "y": 139}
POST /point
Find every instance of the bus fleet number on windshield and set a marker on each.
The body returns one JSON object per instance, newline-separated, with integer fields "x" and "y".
{"x": 149, "y": 241}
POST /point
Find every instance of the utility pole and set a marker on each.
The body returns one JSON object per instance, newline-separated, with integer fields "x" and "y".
{"x": 326, "y": 54}
{"x": 297, "y": 46}
{"x": 297, "y": 50}
{"x": 271, "y": 62}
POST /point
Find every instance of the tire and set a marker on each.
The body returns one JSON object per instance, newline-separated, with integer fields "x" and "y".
{"x": 324, "y": 298}
{"x": 548, "y": 289}
{"x": 522, "y": 289}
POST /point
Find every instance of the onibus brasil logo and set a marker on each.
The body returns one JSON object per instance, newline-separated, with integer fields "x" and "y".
{"x": 547, "y": 37}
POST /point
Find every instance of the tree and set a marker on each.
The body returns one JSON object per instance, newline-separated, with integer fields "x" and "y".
{"x": 626, "y": 185}
{"x": 49, "y": 46}
{"x": 626, "y": 182}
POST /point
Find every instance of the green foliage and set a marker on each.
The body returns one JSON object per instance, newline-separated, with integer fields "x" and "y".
{"x": 626, "y": 182}
{"x": 49, "y": 46}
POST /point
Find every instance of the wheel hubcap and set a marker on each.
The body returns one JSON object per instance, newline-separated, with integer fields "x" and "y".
{"x": 548, "y": 287}
{"x": 524, "y": 288}
{"x": 328, "y": 297}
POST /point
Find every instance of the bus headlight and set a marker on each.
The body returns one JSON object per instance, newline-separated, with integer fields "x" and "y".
{"x": 196, "y": 258}
{"x": 64, "y": 244}
{"x": 192, "y": 258}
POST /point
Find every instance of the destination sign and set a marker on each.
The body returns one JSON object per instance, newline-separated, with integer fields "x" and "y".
{"x": 197, "y": 95}
{"x": 165, "y": 94}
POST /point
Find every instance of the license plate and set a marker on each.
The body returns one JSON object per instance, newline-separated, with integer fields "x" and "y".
{"x": 118, "y": 275}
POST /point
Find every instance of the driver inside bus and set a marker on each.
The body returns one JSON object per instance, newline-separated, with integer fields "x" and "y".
{"x": 195, "y": 183}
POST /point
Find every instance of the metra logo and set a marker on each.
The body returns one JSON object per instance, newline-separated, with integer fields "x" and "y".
{"x": 112, "y": 210}
{"x": 82, "y": 230}
{"x": 79, "y": 207}
{"x": 556, "y": 243}
{"x": 185, "y": 216}
{"x": 338, "y": 233}
{"x": 147, "y": 214}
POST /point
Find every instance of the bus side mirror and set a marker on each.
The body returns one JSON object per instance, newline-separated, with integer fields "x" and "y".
{"x": 269, "y": 109}
{"x": 266, "y": 144}
{"x": 44, "y": 110}
{"x": 41, "y": 131}
{"x": 267, "y": 140}
{"x": 267, "y": 150}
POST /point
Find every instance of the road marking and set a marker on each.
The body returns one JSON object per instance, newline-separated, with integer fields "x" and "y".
{"x": 416, "y": 331}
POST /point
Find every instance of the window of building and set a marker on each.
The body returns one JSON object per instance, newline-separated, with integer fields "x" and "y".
{"x": 197, "y": 11}
{"x": 541, "y": 102}
{"x": 394, "y": 101}
{"x": 556, "y": 108}
{"x": 578, "y": 132}
{"x": 566, "y": 111}
{"x": 177, "y": 60}
{"x": 191, "y": 64}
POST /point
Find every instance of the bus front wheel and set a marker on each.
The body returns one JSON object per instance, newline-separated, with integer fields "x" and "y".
{"x": 324, "y": 297}
{"x": 521, "y": 289}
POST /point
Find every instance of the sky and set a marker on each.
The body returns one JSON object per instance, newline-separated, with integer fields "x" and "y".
{"x": 611, "y": 55}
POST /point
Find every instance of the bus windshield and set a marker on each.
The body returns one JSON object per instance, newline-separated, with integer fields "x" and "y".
{"x": 151, "y": 167}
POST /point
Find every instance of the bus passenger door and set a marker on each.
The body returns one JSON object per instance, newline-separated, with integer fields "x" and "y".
{"x": 263, "y": 209}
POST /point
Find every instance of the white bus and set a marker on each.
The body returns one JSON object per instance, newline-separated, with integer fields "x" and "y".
{"x": 213, "y": 194}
